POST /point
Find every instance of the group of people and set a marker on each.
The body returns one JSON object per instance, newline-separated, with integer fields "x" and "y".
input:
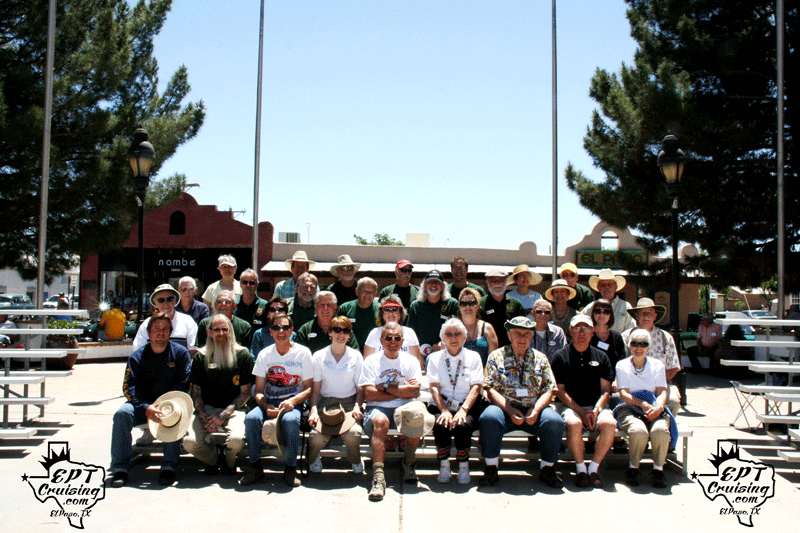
{"x": 354, "y": 360}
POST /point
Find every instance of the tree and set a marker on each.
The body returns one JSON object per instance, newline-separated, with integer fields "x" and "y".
{"x": 163, "y": 191}
{"x": 704, "y": 71}
{"x": 105, "y": 86}
{"x": 379, "y": 239}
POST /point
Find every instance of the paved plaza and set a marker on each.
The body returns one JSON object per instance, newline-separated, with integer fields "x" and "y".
{"x": 337, "y": 500}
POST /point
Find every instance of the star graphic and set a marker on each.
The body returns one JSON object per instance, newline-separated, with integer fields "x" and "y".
{"x": 694, "y": 476}
{"x": 24, "y": 477}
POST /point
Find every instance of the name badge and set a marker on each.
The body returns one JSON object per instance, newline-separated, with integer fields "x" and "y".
{"x": 453, "y": 405}
{"x": 594, "y": 363}
{"x": 489, "y": 311}
{"x": 603, "y": 346}
{"x": 521, "y": 393}
{"x": 256, "y": 322}
{"x": 312, "y": 335}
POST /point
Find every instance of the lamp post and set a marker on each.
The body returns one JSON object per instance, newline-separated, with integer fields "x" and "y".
{"x": 140, "y": 156}
{"x": 671, "y": 160}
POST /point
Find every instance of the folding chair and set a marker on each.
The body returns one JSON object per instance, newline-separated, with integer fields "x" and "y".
{"x": 745, "y": 400}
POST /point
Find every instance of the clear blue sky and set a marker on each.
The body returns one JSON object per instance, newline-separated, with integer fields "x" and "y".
{"x": 394, "y": 117}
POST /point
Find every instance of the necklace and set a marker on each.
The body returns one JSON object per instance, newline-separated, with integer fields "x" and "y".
{"x": 638, "y": 371}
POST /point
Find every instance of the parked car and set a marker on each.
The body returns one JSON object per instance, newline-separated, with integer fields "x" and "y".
{"x": 16, "y": 301}
{"x": 758, "y": 313}
{"x": 747, "y": 330}
{"x": 52, "y": 302}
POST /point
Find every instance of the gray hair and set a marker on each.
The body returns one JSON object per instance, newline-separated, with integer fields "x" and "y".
{"x": 249, "y": 271}
{"x": 422, "y": 296}
{"x": 641, "y": 335}
{"x": 328, "y": 294}
{"x": 231, "y": 293}
{"x": 223, "y": 356}
{"x": 451, "y": 323}
{"x": 187, "y": 279}
{"x": 366, "y": 280}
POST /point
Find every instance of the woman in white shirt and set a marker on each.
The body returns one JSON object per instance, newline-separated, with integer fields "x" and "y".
{"x": 336, "y": 397}
{"x": 455, "y": 375}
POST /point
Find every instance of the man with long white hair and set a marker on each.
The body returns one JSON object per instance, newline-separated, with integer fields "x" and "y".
{"x": 222, "y": 372}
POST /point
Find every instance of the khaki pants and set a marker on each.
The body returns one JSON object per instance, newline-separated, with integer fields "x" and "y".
{"x": 640, "y": 431}
{"x": 196, "y": 440}
{"x": 351, "y": 438}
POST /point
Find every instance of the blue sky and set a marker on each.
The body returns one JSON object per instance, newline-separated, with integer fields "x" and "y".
{"x": 394, "y": 117}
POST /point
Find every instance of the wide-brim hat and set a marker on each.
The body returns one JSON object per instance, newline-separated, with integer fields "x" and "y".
{"x": 560, "y": 284}
{"x": 520, "y": 322}
{"x": 604, "y": 275}
{"x": 535, "y": 278}
{"x": 161, "y": 288}
{"x": 344, "y": 260}
{"x": 300, "y": 255}
{"x": 334, "y": 420}
{"x": 567, "y": 266}
{"x": 644, "y": 303}
{"x": 413, "y": 420}
{"x": 176, "y": 408}
{"x": 272, "y": 434}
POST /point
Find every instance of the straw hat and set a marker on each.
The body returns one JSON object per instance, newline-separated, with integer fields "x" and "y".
{"x": 272, "y": 434}
{"x": 645, "y": 303}
{"x": 300, "y": 255}
{"x": 535, "y": 278}
{"x": 606, "y": 274}
{"x": 413, "y": 420}
{"x": 519, "y": 322}
{"x": 176, "y": 408}
{"x": 560, "y": 284}
{"x": 344, "y": 260}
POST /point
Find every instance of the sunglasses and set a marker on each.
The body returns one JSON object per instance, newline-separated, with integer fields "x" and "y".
{"x": 468, "y": 303}
{"x": 406, "y": 270}
{"x": 279, "y": 327}
{"x": 452, "y": 334}
{"x": 167, "y": 299}
{"x": 637, "y": 344}
{"x": 248, "y": 283}
{"x": 568, "y": 274}
{"x": 390, "y": 338}
{"x": 277, "y": 309}
{"x": 220, "y": 330}
{"x": 542, "y": 312}
{"x": 340, "y": 330}
{"x": 601, "y": 311}
{"x": 390, "y": 309}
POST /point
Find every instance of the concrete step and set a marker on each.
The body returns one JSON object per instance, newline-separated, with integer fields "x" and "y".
{"x": 27, "y": 401}
{"x": 21, "y": 433}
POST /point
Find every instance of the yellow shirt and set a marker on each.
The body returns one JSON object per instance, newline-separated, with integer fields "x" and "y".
{"x": 113, "y": 322}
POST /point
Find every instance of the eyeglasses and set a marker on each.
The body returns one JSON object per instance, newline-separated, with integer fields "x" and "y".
{"x": 220, "y": 330}
{"x": 390, "y": 310}
{"x": 468, "y": 303}
{"x": 601, "y": 311}
{"x": 184, "y": 289}
{"x": 340, "y": 330}
{"x": 225, "y": 302}
{"x": 637, "y": 344}
{"x": 390, "y": 338}
{"x": 280, "y": 327}
{"x": 277, "y": 309}
{"x": 167, "y": 299}
{"x": 406, "y": 270}
{"x": 452, "y": 334}
{"x": 248, "y": 283}
{"x": 647, "y": 313}
{"x": 542, "y": 312}
{"x": 568, "y": 274}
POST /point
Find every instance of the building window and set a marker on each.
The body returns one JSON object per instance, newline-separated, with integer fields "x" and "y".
{"x": 177, "y": 223}
{"x": 609, "y": 241}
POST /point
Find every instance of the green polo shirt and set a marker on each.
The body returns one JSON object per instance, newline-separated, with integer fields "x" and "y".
{"x": 496, "y": 313}
{"x": 426, "y": 319}
{"x": 241, "y": 329}
{"x": 364, "y": 320}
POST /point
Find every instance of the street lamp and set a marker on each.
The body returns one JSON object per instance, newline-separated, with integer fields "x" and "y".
{"x": 140, "y": 156}
{"x": 671, "y": 161}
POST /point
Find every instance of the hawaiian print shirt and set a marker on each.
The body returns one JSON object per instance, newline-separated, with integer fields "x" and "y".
{"x": 505, "y": 374}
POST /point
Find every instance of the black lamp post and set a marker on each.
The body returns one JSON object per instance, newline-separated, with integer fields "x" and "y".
{"x": 140, "y": 156}
{"x": 671, "y": 160}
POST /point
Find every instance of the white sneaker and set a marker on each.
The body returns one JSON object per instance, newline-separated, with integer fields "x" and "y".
{"x": 358, "y": 468}
{"x": 444, "y": 474}
{"x": 463, "y": 473}
{"x": 316, "y": 466}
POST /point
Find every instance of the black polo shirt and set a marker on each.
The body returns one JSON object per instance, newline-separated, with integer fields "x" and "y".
{"x": 581, "y": 372}
{"x": 496, "y": 313}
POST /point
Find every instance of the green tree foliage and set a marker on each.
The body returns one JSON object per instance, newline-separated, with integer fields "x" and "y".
{"x": 105, "y": 86}
{"x": 379, "y": 239}
{"x": 705, "y": 71}
{"x": 163, "y": 191}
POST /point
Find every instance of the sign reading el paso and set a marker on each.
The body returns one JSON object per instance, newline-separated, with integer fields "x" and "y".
{"x": 607, "y": 258}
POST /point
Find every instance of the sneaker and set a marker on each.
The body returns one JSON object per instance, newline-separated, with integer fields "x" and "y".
{"x": 166, "y": 478}
{"x": 146, "y": 439}
{"x": 490, "y": 477}
{"x": 550, "y": 477}
{"x": 378, "y": 489}
{"x": 358, "y": 468}
{"x": 120, "y": 479}
{"x": 463, "y": 473}
{"x": 316, "y": 466}
{"x": 659, "y": 479}
{"x": 290, "y": 476}
{"x": 582, "y": 480}
{"x": 252, "y": 475}
{"x": 595, "y": 480}
{"x": 409, "y": 473}
{"x": 444, "y": 474}
{"x": 632, "y": 477}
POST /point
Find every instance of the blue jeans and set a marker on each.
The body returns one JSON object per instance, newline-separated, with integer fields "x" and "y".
{"x": 549, "y": 428}
{"x": 290, "y": 426}
{"x": 124, "y": 420}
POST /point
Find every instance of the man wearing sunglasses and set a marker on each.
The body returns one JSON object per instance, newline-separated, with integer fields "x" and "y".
{"x": 188, "y": 304}
{"x": 316, "y": 335}
{"x": 184, "y": 329}
{"x": 251, "y": 308}
{"x": 345, "y": 287}
{"x": 408, "y": 293}
{"x": 225, "y": 304}
{"x": 547, "y": 337}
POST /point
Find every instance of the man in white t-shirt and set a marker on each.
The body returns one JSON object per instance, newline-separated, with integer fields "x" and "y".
{"x": 284, "y": 374}
{"x": 391, "y": 378}
{"x": 184, "y": 328}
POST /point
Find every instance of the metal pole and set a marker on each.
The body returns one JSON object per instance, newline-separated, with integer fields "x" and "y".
{"x": 555, "y": 150}
{"x": 258, "y": 142}
{"x": 48, "y": 111}
{"x": 779, "y": 30}
{"x": 674, "y": 314}
{"x": 140, "y": 283}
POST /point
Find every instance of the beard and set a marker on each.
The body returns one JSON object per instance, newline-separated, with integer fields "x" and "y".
{"x": 432, "y": 291}
{"x": 497, "y": 290}
{"x": 305, "y": 297}
{"x": 221, "y": 355}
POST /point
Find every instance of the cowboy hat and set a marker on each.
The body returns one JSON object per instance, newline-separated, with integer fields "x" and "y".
{"x": 606, "y": 274}
{"x": 344, "y": 260}
{"x": 413, "y": 420}
{"x": 560, "y": 284}
{"x": 176, "y": 412}
{"x": 519, "y": 322}
{"x": 164, "y": 287}
{"x": 272, "y": 434}
{"x": 535, "y": 278}
{"x": 645, "y": 303}
{"x": 334, "y": 420}
{"x": 299, "y": 255}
